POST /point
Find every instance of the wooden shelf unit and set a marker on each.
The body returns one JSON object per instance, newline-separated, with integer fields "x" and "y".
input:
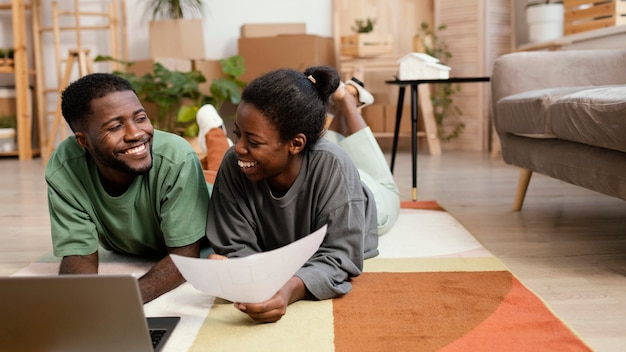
{"x": 22, "y": 73}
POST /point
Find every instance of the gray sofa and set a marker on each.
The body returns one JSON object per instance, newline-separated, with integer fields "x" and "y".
{"x": 563, "y": 114}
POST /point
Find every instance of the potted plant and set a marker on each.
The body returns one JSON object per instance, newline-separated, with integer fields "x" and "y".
{"x": 175, "y": 9}
{"x": 365, "y": 42}
{"x": 545, "y": 20}
{"x": 6, "y": 57}
{"x": 224, "y": 89}
{"x": 443, "y": 104}
{"x": 8, "y": 125}
{"x": 173, "y": 20}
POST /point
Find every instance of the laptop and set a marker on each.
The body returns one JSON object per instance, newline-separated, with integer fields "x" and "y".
{"x": 78, "y": 313}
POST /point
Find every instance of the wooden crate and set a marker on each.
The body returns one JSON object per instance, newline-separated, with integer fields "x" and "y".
{"x": 586, "y": 15}
{"x": 363, "y": 45}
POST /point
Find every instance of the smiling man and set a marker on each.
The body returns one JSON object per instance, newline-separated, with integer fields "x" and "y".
{"x": 121, "y": 184}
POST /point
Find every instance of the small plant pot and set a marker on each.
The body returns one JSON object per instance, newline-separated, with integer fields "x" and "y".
{"x": 545, "y": 22}
{"x": 7, "y": 140}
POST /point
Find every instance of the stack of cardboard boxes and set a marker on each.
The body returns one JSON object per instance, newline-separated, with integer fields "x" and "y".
{"x": 269, "y": 46}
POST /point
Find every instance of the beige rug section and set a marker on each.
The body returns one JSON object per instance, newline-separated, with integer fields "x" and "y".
{"x": 307, "y": 326}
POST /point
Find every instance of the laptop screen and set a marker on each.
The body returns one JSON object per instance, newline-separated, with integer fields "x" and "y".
{"x": 73, "y": 313}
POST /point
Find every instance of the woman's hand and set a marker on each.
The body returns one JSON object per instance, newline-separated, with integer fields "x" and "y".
{"x": 273, "y": 309}
{"x": 217, "y": 256}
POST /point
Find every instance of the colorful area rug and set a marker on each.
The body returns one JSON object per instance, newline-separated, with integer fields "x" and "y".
{"x": 432, "y": 288}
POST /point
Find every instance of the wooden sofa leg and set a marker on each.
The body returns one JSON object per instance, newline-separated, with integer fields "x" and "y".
{"x": 522, "y": 186}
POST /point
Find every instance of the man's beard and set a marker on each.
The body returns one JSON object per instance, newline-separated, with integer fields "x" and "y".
{"x": 122, "y": 166}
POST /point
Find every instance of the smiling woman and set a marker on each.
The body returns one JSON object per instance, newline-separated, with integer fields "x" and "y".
{"x": 287, "y": 177}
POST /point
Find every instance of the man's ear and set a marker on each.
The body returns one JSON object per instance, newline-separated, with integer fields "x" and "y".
{"x": 81, "y": 138}
{"x": 297, "y": 143}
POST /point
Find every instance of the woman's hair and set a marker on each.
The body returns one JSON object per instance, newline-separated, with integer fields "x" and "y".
{"x": 76, "y": 98}
{"x": 294, "y": 102}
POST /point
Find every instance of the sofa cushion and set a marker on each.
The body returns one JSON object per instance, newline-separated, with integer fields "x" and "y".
{"x": 527, "y": 114}
{"x": 594, "y": 116}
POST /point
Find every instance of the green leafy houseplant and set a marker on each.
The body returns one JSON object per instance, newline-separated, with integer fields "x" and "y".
{"x": 442, "y": 101}
{"x": 222, "y": 90}
{"x": 364, "y": 26}
{"x": 175, "y": 9}
{"x": 7, "y": 53}
{"x": 8, "y": 121}
{"x": 177, "y": 94}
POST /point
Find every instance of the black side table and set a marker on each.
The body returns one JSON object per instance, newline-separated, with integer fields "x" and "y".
{"x": 414, "y": 84}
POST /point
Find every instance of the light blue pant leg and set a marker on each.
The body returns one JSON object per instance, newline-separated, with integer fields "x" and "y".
{"x": 205, "y": 250}
{"x": 375, "y": 174}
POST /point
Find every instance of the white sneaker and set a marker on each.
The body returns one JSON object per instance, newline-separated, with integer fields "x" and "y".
{"x": 365, "y": 98}
{"x": 208, "y": 118}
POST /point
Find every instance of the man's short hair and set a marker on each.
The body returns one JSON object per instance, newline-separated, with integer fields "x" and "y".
{"x": 76, "y": 98}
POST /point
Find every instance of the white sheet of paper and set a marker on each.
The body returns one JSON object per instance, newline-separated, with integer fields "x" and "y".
{"x": 250, "y": 279}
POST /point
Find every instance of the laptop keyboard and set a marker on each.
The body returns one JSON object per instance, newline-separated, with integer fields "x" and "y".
{"x": 156, "y": 335}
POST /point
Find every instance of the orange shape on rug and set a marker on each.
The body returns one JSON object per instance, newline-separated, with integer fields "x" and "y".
{"x": 422, "y": 204}
{"x": 456, "y": 311}
{"x": 521, "y": 323}
{"x": 415, "y": 311}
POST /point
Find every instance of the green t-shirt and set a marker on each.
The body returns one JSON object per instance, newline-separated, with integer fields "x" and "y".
{"x": 166, "y": 207}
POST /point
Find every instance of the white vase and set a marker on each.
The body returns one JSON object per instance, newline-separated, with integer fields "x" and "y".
{"x": 545, "y": 22}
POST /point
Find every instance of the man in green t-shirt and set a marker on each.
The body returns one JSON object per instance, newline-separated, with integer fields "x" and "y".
{"x": 120, "y": 184}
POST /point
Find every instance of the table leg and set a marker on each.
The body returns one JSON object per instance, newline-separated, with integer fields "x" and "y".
{"x": 397, "y": 128}
{"x": 414, "y": 137}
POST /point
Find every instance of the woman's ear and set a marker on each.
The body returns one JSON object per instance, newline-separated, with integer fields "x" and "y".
{"x": 297, "y": 143}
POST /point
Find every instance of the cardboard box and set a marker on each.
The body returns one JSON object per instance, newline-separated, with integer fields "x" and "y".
{"x": 374, "y": 116}
{"x": 405, "y": 123}
{"x": 255, "y": 30}
{"x": 180, "y": 39}
{"x": 298, "y": 52}
{"x": 142, "y": 67}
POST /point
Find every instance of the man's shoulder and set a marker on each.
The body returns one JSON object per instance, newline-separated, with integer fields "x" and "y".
{"x": 170, "y": 146}
{"x": 67, "y": 152}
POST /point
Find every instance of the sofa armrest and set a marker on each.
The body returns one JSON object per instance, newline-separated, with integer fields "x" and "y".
{"x": 524, "y": 71}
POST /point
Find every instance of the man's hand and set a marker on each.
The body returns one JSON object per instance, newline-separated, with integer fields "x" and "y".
{"x": 274, "y": 308}
{"x": 164, "y": 276}
{"x": 79, "y": 264}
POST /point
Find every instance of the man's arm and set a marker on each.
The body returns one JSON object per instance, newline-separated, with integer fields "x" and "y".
{"x": 164, "y": 276}
{"x": 79, "y": 264}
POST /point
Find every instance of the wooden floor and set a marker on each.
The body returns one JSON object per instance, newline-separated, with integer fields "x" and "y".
{"x": 567, "y": 244}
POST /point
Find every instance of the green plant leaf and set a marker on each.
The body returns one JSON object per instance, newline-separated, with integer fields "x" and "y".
{"x": 175, "y": 9}
{"x": 187, "y": 113}
{"x": 234, "y": 66}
